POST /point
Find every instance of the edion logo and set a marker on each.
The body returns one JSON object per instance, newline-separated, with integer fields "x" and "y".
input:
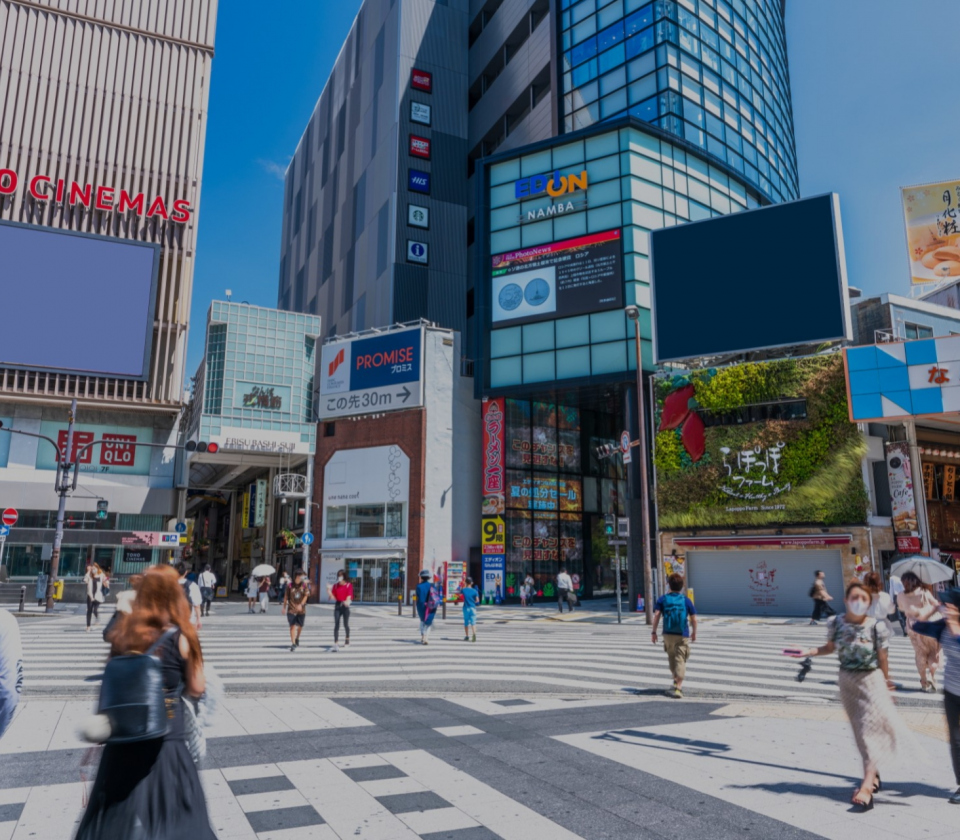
{"x": 553, "y": 185}
{"x": 337, "y": 361}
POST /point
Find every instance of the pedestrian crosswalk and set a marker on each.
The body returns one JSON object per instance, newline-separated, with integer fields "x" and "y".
{"x": 251, "y": 654}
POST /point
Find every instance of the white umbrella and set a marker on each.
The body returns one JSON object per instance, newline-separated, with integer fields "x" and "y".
{"x": 925, "y": 568}
{"x": 263, "y": 570}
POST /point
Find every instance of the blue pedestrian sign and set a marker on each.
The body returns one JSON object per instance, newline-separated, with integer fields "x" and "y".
{"x": 307, "y": 538}
{"x": 4, "y": 531}
{"x": 181, "y": 527}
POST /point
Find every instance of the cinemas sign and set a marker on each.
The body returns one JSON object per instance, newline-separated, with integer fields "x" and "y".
{"x": 42, "y": 188}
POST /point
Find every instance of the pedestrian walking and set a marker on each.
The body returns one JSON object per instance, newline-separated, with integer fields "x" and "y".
{"x": 264, "y": 592}
{"x": 896, "y": 589}
{"x": 471, "y": 596}
{"x": 282, "y": 585}
{"x": 342, "y": 594}
{"x": 881, "y": 604}
{"x": 192, "y": 593}
{"x": 208, "y": 588}
{"x": 295, "y": 606}
{"x": 861, "y": 643}
{"x": 94, "y": 581}
{"x": 527, "y": 590}
{"x": 565, "y": 593}
{"x": 252, "y": 588}
{"x": 151, "y": 788}
{"x": 679, "y": 616}
{"x": 947, "y": 634}
{"x": 428, "y": 601}
{"x": 821, "y": 598}
{"x": 919, "y": 604}
{"x": 11, "y": 668}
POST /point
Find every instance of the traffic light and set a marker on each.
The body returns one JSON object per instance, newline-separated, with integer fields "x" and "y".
{"x": 102, "y": 507}
{"x": 201, "y": 446}
{"x": 606, "y": 450}
{"x": 610, "y": 525}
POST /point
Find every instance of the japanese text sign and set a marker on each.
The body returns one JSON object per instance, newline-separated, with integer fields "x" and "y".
{"x": 931, "y": 213}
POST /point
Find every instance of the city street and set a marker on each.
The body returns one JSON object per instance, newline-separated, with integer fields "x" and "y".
{"x": 543, "y": 728}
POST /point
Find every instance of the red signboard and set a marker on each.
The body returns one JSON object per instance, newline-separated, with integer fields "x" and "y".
{"x": 79, "y": 439}
{"x": 494, "y": 484}
{"x": 908, "y": 544}
{"x": 421, "y": 80}
{"x": 419, "y": 147}
{"x": 9, "y": 517}
{"x": 118, "y": 450}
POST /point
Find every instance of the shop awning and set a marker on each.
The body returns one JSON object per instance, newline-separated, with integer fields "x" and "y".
{"x": 378, "y": 553}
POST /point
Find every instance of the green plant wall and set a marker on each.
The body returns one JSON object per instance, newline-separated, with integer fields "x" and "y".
{"x": 772, "y": 472}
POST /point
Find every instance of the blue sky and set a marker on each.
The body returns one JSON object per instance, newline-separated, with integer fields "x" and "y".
{"x": 873, "y": 108}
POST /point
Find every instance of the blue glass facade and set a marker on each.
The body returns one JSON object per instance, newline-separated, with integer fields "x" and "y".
{"x": 710, "y": 71}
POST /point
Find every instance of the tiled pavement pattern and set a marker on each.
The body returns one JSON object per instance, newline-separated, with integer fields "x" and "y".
{"x": 521, "y": 767}
{"x": 732, "y": 659}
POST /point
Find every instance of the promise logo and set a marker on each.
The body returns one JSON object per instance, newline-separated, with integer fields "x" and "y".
{"x": 337, "y": 361}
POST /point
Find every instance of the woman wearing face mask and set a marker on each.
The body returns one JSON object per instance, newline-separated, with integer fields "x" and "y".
{"x": 861, "y": 643}
{"x": 918, "y": 604}
{"x": 342, "y": 594}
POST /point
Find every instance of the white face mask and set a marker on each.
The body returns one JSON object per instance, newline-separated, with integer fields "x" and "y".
{"x": 858, "y": 607}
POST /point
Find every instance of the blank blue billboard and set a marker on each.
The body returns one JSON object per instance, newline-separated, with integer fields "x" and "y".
{"x": 76, "y": 303}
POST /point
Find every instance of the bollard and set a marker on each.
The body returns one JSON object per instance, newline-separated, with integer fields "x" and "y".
{"x": 400, "y": 605}
{"x": 23, "y": 594}
{"x": 413, "y": 606}
{"x": 444, "y": 610}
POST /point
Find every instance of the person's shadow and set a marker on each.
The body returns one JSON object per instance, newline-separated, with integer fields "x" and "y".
{"x": 893, "y": 793}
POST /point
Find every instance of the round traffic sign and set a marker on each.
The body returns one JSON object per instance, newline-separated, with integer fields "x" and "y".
{"x": 181, "y": 527}
{"x": 307, "y": 538}
{"x": 625, "y": 441}
{"x": 9, "y": 517}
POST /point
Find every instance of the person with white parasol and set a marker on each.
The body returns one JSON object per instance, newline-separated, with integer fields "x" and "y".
{"x": 263, "y": 573}
{"x": 918, "y": 574}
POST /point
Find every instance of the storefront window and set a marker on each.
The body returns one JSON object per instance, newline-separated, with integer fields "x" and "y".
{"x": 365, "y": 521}
{"x": 396, "y": 520}
{"x": 336, "y": 523}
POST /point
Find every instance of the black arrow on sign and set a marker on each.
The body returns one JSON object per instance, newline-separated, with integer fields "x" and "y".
{"x": 405, "y": 393}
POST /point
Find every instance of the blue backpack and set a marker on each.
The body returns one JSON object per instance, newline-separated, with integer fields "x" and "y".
{"x": 674, "y": 614}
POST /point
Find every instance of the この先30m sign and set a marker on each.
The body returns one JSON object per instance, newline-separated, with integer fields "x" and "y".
{"x": 367, "y": 375}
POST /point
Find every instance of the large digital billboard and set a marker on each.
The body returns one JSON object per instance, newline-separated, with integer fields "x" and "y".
{"x": 772, "y": 277}
{"x": 365, "y": 375}
{"x": 559, "y": 279}
{"x": 758, "y": 444}
{"x": 76, "y": 303}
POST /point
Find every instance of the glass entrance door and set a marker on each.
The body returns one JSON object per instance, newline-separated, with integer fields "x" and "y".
{"x": 376, "y": 579}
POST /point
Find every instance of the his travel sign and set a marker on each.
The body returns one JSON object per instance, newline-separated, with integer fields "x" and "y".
{"x": 371, "y": 374}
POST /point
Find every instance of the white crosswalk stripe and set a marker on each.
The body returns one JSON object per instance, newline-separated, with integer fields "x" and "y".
{"x": 251, "y": 654}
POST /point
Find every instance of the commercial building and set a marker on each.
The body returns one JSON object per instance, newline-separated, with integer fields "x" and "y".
{"x": 103, "y": 115}
{"x": 397, "y": 473}
{"x": 253, "y": 397}
{"x": 890, "y": 317}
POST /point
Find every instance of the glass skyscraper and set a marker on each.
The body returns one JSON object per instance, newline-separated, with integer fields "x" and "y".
{"x": 710, "y": 71}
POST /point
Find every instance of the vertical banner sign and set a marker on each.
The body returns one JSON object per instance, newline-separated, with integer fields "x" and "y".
{"x": 931, "y": 213}
{"x": 494, "y": 484}
{"x": 252, "y": 506}
{"x": 494, "y": 572}
{"x": 906, "y": 526}
{"x": 245, "y": 512}
{"x": 260, "y": 508}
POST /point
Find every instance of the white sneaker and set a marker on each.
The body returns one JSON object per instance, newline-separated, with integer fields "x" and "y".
{"x": 335, "y": 649}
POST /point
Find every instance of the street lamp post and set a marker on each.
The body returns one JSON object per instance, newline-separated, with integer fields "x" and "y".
{"x": 633, "y": 313}
{"x": 63, "y": 486}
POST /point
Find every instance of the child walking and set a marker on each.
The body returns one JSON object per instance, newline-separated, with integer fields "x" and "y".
{"x": 470, "y": 598}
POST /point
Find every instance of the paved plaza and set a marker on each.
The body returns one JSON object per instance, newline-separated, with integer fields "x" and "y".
{"x": 543, "y": 729}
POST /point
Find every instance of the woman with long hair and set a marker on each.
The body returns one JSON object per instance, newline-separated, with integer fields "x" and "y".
{"x": 919, "y": 604}
{"x": 151, "y": 788}
{"x": 861, "y": 643}
{"x": 94, "y": 580}
{"x": 881, "y": 604}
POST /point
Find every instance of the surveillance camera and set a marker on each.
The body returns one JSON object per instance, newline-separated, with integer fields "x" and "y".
{"x": 633, "y": 312}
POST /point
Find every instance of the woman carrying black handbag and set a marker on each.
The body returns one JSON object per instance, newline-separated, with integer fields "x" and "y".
{"x": 150, "y": 788}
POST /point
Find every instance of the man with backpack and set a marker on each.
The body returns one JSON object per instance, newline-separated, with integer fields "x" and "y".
{"x": 428, "y": 602}
{"x": 678, "y": 615}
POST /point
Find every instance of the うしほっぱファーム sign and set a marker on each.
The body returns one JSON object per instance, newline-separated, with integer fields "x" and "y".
{"x": 43, "y": 188}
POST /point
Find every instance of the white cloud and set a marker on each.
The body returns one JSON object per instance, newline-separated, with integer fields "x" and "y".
{"x": 278, "y": 170}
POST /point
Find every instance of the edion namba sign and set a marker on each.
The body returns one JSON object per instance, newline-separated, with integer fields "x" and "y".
{"x": 74, "y": 193}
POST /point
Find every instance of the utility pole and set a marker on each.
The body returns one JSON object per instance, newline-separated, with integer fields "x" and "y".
{"x": 633, "y": 313}
{"x": 62, "y": 487}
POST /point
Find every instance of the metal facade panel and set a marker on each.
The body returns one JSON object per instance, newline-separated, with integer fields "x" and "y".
{"x": 495, "y": 33}
{"x": 110, "y": 94}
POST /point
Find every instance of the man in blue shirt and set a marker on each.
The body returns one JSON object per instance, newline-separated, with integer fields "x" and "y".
{"x": 678, "y": 615}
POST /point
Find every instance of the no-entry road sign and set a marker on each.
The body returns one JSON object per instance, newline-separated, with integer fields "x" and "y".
{"x": 9, "y": 517}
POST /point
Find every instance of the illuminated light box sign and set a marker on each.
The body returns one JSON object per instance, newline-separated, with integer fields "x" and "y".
{"x": 374, "y": 374}
{"x": 557, "y": 280}
{"x": 116, "y": 453}
{"x": 901, "y": 380}
{"x": 421, "y": 80}
{"x": 101, "y": 288}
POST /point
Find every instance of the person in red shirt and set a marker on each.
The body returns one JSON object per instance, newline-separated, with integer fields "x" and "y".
{"x": 342, "y": 594}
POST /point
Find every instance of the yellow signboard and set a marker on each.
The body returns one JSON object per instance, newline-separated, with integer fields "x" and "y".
{"x": 245, "y": 513}
{"x": 932, "y": 216}
{"x": 492, "y": 539}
